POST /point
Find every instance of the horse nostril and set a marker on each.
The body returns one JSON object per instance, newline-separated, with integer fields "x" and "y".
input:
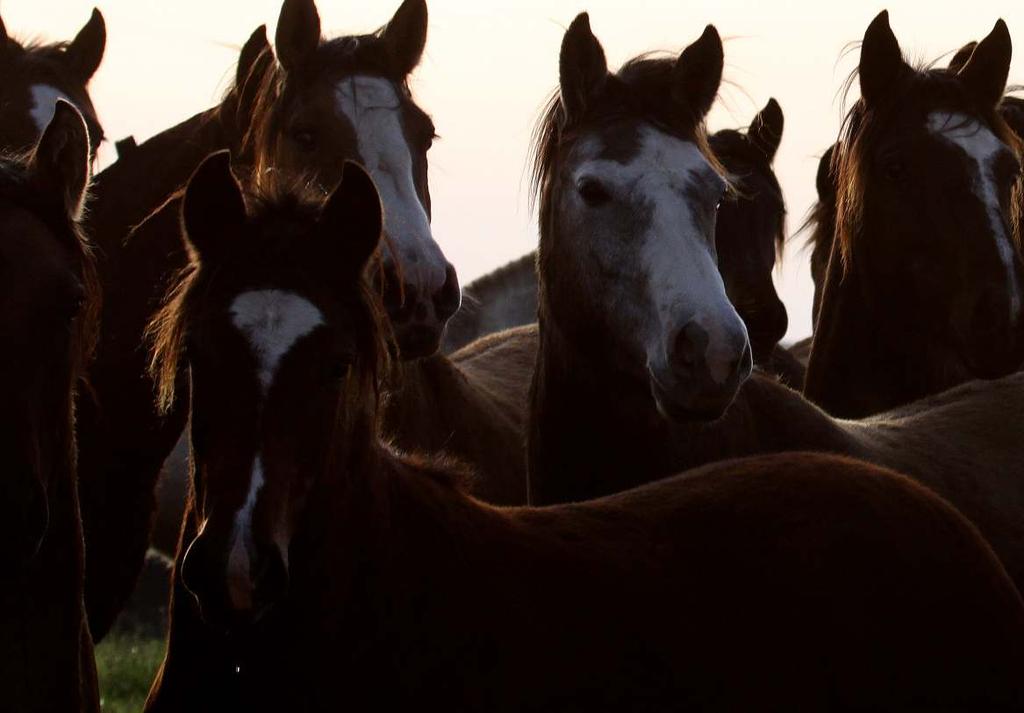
{"x": 270, "y": 585}
{"x": 690, "y": 347}
{"x": 399, "y": 298}
{"x": 448, "y": 299}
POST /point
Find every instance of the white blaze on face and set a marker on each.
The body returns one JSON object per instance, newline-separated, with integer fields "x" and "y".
{"x": 272, "y": 322}
{"x": 44, "y": 104}
{"x": 673, "y": 181}
{"x": 372, "y": 106}
{"x": 982, "y": 147}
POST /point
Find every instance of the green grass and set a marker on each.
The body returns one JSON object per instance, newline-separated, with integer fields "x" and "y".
{"x": 127, "y": 664}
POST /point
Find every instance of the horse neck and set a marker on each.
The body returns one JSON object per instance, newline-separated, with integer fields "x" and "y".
{"x": 387, "y": 565}
{"x": 593, "y": 432}
{"x": 866, "y": 357}
{"x": 129, "y": 190}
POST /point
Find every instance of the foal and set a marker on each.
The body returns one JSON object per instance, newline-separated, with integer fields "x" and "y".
{"x": 48, "y": 310}
{"x": 349, "y": 577}
{"x": 35, "y": 76}
{"x": 924, "y": 284}
{"x": 322, "y": 102}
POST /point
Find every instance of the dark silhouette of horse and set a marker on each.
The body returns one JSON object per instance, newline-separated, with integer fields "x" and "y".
{"x": 48, "y": 311}
{"x": 331, "y": 572}
{"x": 924, "y": 284}
{"x": 122, "y": 442}
{"x": 37, "y": 75}
{"x": 474, "y": 407}
{"x": 597, "y": 424}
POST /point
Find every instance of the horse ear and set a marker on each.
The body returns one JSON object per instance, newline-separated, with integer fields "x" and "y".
{"x": 823, "y": 181}
{"x": 986, "y": 71}
{"x": 582, "y": 67}
{"x": 406, "y": 35}
{"x": 3, "y": 34}
{"x": 298, "y": 34}
{"x": 698, "y": 74}
{"x": 213, "y": 208}
{"x": 252, "y": 60}
{"x": 85, "y": 52}
{"x": 881, "y": 61}
{"x": 59, "y": 166}
{"x": 766, "y": 129}
{"x": 351, "y": 223}
{"x": 960, "y": 58}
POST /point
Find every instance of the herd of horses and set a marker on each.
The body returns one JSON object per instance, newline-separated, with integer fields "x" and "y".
{"x": 606, "y": 486}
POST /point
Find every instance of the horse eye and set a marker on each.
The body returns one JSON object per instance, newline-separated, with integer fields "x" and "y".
{"x": 339, "y": 367}
{"x": 895, "y": 170}
{"x": 305, "y": 139}
{"x": 593, "y": 193}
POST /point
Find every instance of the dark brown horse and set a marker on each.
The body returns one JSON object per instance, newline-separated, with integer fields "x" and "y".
{"x": 924, "y": 283}
{"x": 36, "y": 75}
{"x": 122, "y": 443}
{"x": 597, "y": 425}
{"x": 324, "y": 101}
{"x": 48, "y": 310}
{"x": 345, "y": 575}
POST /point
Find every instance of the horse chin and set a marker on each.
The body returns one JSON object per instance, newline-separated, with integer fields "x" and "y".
{"x": 418, "y": 339}
{"x": 686, "y": 405}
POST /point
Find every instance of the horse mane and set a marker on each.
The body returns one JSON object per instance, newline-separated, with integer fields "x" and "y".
{"x": 280, "y": 212}
{"x": 637, "y": 90}
{"x": 862, "y": 128}
{"x": 14, "y": 186}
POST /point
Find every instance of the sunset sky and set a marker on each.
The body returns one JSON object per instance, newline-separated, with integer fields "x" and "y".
{"x": 489, "y": 66}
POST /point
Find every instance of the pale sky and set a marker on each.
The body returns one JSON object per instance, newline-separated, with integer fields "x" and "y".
{"x": 490, "y": 65}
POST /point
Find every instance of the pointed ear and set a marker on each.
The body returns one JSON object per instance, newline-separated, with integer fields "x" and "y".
{"x": 986, "y": 71}
{"x": 824, "y": 181}
{"x": 351, "y": 223}
{"x": 3, "y": 34}
{"x": 960, "y": 58}
{"x": 252, "y": 59}
{"x": 213, "y": 208}
{"x": 881, "y": 61}
{"x": 698, "y": 74}
{"x": 59, "y": 166}
{"x": 85, "y": 52}
{"x": 765, "y": 130}
{"x": 582, "y": 67}
{"x": 298, "y": 34}
{"x": 255, "y": 59}
{"x": 406, "y": 35}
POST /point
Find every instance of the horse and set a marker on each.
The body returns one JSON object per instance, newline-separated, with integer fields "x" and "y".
{"x": 821, "y": 220}
{"x": 122, "y": 448}
{"x": 37, "y": 75}
{"x": 599, "y": 423}
{"x": 923, "y": 288}
{"x": 333, "y": 572}
{"x": 48, "y": 310}
{"x": 749, "y": 235}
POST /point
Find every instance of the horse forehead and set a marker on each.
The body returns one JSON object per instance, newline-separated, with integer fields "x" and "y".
{"x": 648, "y": 155}
{"x": 974, "y": 138}
{"x": 358, "y": 94}
{"x": 272, "y": 321}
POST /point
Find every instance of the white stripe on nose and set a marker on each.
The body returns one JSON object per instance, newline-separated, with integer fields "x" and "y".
{"x": 272, "y": 322}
